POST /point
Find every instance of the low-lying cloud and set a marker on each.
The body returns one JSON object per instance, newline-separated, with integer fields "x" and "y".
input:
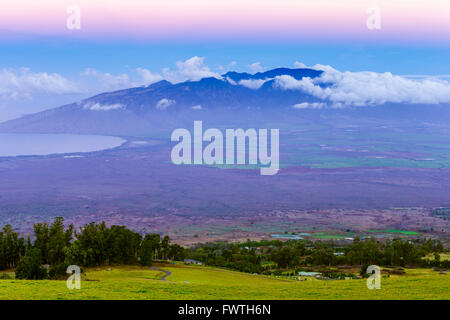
{"x": 367, "y": 88}
{"x": 164, "y": 104}
{"x": 253, "y": 83}
{"x": 103, "y": 107}
{"x": 310, "y": 105}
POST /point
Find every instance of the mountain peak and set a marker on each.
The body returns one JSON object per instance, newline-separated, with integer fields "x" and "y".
{"x": 160, "y": 84}
{"x": 295, "y": 73}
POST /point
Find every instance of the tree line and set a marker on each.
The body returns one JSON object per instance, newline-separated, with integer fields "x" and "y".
{"x": 92, "y": 245}
{"x": 268, "y": 255}
{"x": 58, "y": 246}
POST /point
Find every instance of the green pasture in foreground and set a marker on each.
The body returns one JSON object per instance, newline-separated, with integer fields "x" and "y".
{"x": 197, "y": 282}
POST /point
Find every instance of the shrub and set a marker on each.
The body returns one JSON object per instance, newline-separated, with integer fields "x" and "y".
{"x": 58, "y": 271}
{"x": 30, "y": 266}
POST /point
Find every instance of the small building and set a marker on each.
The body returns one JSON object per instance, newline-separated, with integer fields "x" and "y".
{"x": 339, "y": 253}
{"x": 286, "y": 236}
{"x": 190, "y": 261}
{"x": 309, "y": 274}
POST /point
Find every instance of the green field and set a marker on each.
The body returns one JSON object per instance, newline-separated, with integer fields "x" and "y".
{"x": 405, "y": 232}
{"x": 196, "y": 282}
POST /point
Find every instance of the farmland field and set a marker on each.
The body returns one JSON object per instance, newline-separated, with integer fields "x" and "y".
{"x": 197, "y": 282}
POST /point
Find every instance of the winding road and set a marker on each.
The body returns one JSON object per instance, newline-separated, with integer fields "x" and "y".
{"x": 167, "y": 273}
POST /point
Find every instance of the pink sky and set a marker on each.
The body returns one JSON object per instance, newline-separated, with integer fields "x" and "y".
{"x": 414, "y": 20}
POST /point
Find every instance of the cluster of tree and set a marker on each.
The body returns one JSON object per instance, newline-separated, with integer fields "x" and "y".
{"x": 261, "y": 256}
{"x": 12, "y": 248}
{"x": 58, "y": 246}
{"x": 92, "y": 245}
{"x": 394, "y": 253}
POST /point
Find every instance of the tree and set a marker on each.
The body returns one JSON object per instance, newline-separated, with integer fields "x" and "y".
{"x": 93, "y": 240}
{"x": 437, "y": 259}
{"x": 12, "y": 248}
{"x": 104, "y": 245}
{"x": 322, "y": 256}
{"x": 147, "y": 250}
{"x": 30, "y": 266}
{"x": 75, "y": 254}
{"x": 284, "y": 257}
{"x": 124, "y": 245}
{"x": 155, "y": 240}
{"x": 165, "y": 247}
{"x": 58, "y": 239}
{"x": 41, "y": 233}
{"x": 176, "y": 252}
{"x": 51, "y": 240}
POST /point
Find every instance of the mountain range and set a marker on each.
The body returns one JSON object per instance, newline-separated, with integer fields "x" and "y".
{"x": 235, "y": 98}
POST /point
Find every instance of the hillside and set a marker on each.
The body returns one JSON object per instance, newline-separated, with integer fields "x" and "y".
{"x": 196, "y": 282}
{"x": 162, "y": 105}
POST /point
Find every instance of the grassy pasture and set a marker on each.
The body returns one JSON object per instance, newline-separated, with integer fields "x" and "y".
{"x": 197, "y": 282}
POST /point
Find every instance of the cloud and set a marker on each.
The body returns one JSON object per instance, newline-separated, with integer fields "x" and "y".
{"x": 256, "y": 67}
{"x": 308, "y": 105}
{"x": 307, "y": 85}
{"x": 108, "y": 81}
{"x": 148, "y": 77}
{"x": 367, "y": 88}
{"x": 231, "y": 81}
{"x": 197, "y": 107}
{"x": 426, "y": 76}
{"x": 228, "y": 67}
{"x": 103, "y": 107}
{"x": 300, "y": 65}
{"x": 24, "y": 83}
{"x": 164, "y": 103}
{"x": 253, "y": 83}
{"x": 323, "y": 67}
{"x": 191, "y": 69}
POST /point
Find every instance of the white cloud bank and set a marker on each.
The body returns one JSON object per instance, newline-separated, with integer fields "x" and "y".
{"x": 20, "y": 83}
{"x": 367, "y": 88}
{"x": 24, "y": 83}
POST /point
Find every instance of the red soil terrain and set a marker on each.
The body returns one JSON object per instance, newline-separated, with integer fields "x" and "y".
{"x": 142, "y": 189}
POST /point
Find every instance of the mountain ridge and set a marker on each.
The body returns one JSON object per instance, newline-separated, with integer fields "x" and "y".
{"x": 163, "y": 106}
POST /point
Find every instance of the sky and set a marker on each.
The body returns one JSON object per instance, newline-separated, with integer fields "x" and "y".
{"x": 58, "y": 51}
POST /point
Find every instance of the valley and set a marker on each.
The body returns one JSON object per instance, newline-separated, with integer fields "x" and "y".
{"x": 137, "y": 185}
